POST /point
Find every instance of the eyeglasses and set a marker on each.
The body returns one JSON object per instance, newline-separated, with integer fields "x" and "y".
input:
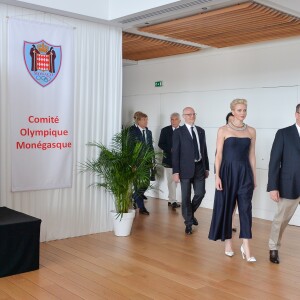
{"x": 190, "y": 115}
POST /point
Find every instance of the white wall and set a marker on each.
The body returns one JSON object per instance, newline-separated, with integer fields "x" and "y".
{"x": 121, "y": 8}
{"x": 100, "y": 9}
{"x": 90, "y": 8}
{"x": 267, "y": 75}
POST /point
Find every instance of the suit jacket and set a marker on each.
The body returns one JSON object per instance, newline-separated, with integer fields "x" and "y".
{"x": 165, "y": 143}
{"x": 137, "y": 134}
{"x": 284, "y": 166}
{"x": 183, "y": 152}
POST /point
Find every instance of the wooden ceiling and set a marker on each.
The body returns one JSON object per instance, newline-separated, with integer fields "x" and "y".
{"x": 138, "y": 47}
{"x": 240, "y": 24}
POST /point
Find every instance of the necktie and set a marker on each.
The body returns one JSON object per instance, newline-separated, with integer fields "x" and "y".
{"x": 144, "y": 136}
{"x": 196, "y": 150}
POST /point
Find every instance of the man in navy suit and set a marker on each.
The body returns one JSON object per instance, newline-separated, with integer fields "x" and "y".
{"x": 165, "y": 143}
{"x": 190, "y": 165}
{"x": 135, "y": 117}
{"x": 284, "y": 181}
{"x": 141, "y": 133}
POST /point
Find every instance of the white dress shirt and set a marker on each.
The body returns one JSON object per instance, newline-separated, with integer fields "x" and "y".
{"x": 189, "y": 127}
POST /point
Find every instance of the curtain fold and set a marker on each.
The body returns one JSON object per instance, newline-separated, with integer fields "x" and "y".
{"x": 79, "y": 210}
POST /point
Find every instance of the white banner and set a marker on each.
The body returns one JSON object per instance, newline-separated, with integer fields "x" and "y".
{"x": 40, "y": 91}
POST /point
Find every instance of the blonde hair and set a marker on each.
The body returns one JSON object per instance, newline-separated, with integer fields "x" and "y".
{"x": 140, "y": 115}
{"x": 136, "y": 114}
{"x": 237, "y": 101}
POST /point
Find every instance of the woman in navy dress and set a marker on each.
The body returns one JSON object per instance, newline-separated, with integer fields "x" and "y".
{"x": 235, "y": 180}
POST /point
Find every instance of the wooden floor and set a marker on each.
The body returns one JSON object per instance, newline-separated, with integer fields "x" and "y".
{"x": 158, "y": 261}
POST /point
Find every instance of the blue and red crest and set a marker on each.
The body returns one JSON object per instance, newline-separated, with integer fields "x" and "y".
{"x": 42, "y": 61}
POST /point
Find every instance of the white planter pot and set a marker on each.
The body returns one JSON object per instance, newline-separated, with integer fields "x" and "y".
{"x": 122, "y": 227}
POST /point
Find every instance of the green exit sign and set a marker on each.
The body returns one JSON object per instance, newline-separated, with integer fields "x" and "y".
{"x": 158, "y": 83}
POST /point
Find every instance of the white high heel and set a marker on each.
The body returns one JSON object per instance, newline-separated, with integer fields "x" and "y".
{"x": 250, "y": 259}
{"x": 229, "y": 253}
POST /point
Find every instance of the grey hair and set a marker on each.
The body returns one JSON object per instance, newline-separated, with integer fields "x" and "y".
{"x": 175, "y": 114}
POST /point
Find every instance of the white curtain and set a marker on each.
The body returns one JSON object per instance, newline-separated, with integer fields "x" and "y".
{"x": 79, "y": 210}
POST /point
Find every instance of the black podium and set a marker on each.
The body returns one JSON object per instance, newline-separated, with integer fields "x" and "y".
{"x": 19, "y": 242}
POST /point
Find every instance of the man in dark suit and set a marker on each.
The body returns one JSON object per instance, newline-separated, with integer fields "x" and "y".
{"x": 135, "y": 124}
{"x": 284, "y": 181}
{"x": 141, "y": 133}
{"x": 190, "y": 165}
{"x": 165, "y": 143}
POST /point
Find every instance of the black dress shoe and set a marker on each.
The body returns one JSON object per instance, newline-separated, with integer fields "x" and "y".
{"x": 195, "y": 221}
{"x": 169, "y": 203}
{"x": 144, "y": 197}
{"x": 274, "y": 258}
{"x": 144, "y": 211}
{"x": 175, "y": 205}
{"x": 188, "y": 229}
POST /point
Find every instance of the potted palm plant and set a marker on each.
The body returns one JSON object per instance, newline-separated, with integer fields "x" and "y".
{"x": 121, "y": 168}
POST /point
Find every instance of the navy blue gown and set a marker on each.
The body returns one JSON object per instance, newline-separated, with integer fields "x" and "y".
{"x": 238, "y": 185}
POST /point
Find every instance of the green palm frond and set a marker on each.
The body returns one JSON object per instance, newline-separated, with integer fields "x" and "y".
{"x": 125, "y": 164}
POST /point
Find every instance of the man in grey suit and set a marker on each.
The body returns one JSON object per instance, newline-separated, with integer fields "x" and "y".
{"x": 284, "y": 181}
{"x": 190, "y": 165}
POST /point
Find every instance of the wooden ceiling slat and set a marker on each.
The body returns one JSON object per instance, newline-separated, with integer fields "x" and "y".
{"x": 215, "y": 27}
{"x": 231, "y": 28}
{"x": 240, "y": 24}
{"x": 199, "y": 37}
{"x": 136, "y": 47}
{"x": 242, "y": 21}
{"x": 188, "y": 20}
{"x": 251, "y": 37}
